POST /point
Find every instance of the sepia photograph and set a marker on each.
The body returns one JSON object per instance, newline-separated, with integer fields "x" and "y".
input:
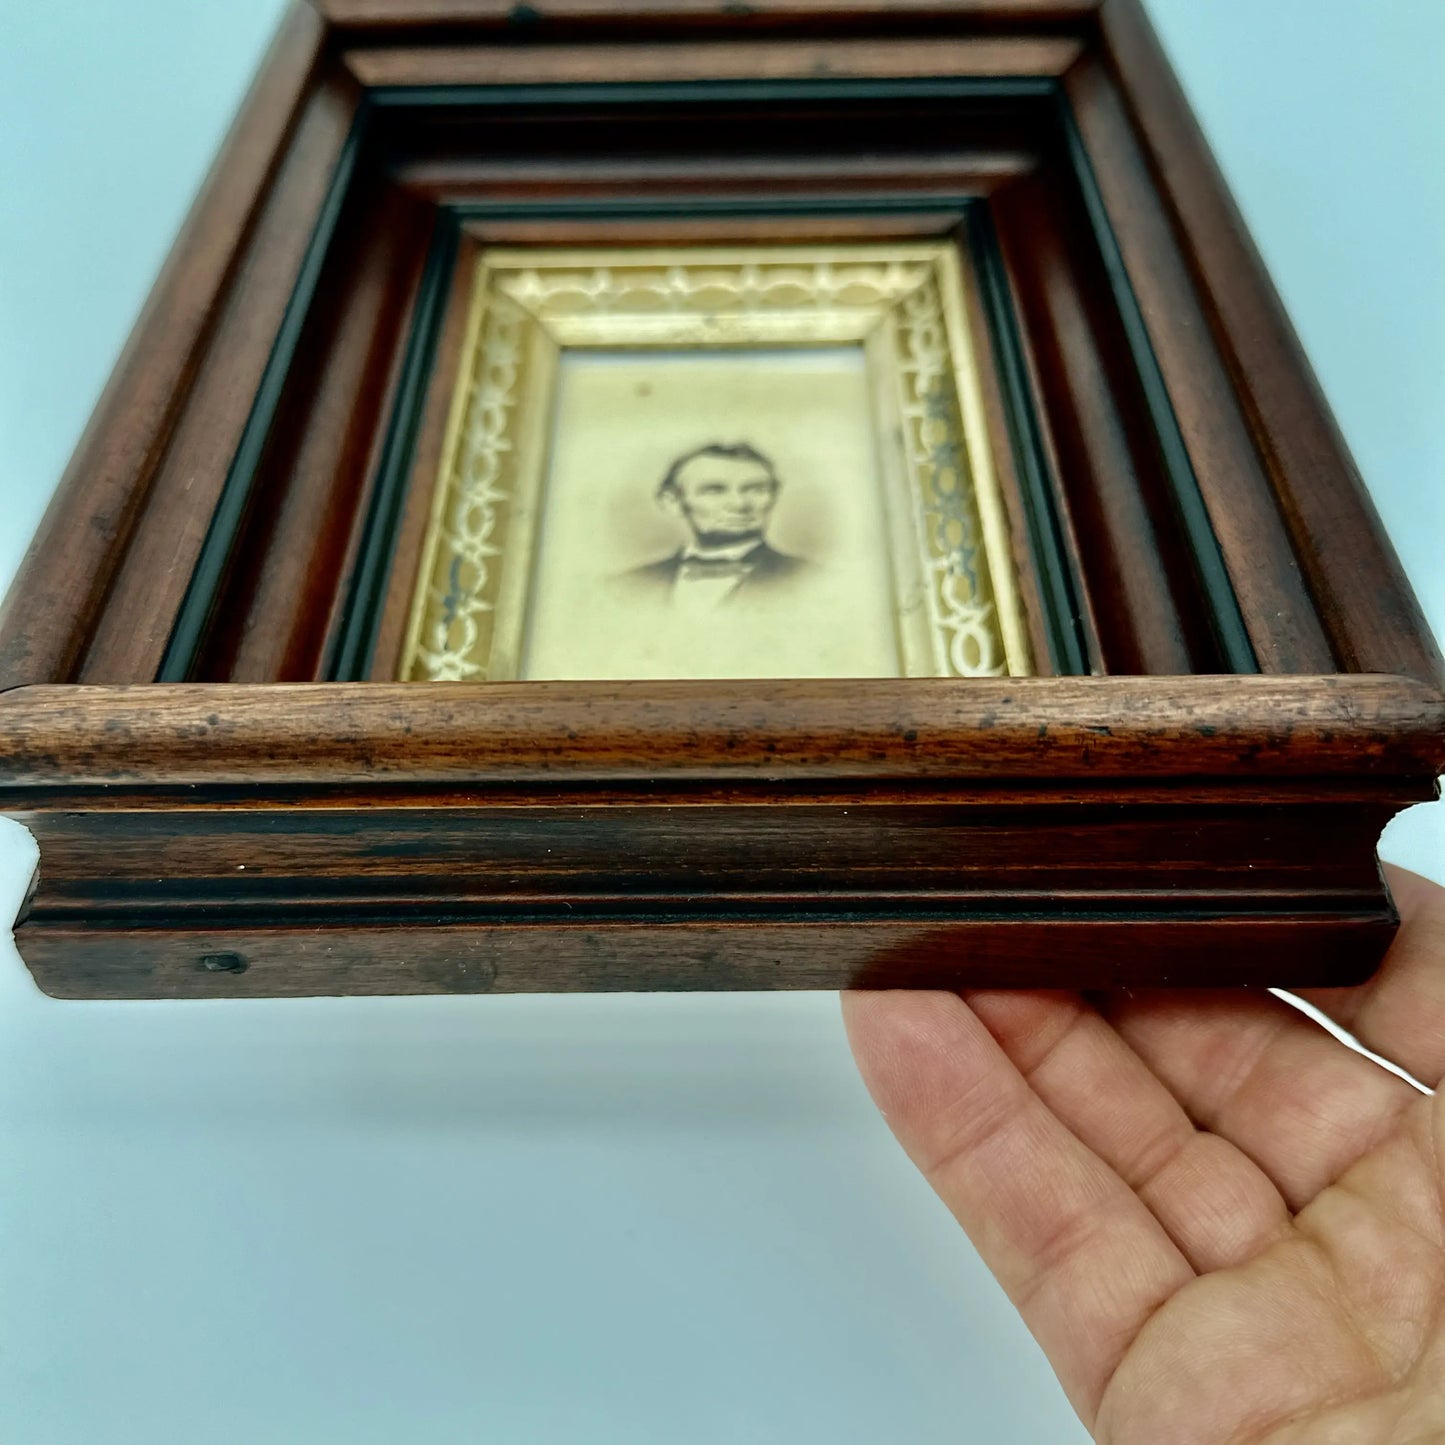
{"x": 712, "y": 515}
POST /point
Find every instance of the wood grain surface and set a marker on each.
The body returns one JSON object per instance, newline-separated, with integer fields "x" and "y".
{"x": 1035, "y": 728}
{"x": 230, "y": 961}
{"x": 712, "y": 60}
{"x": 402, "y": 15}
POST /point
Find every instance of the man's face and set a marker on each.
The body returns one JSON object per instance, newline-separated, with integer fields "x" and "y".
{"x": 724, "y": 499}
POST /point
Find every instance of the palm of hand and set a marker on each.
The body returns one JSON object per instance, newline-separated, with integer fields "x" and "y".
{"x": 1219, "y": 1222}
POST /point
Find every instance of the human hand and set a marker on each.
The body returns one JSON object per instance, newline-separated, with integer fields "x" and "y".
{"x": 1220, "y": 1223}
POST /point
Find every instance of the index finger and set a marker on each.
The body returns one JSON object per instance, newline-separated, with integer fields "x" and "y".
{"x": 1400, "y": 1013}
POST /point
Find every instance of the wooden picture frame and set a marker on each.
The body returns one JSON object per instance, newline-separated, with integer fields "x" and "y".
{"x": 1234, "y": 688}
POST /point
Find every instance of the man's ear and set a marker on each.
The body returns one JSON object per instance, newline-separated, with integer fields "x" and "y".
{"x": 669, "y": 501}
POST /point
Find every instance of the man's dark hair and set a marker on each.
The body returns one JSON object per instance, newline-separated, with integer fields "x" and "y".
{"x": 739, "y": 452}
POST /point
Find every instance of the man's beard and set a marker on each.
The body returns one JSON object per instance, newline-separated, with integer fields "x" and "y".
{"x": 729, "y": 539}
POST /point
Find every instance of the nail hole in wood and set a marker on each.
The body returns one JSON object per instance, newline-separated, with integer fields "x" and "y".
{"x": 224, "y": 963}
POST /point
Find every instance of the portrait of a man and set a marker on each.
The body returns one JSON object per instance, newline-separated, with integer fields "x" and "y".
{"x": 725, "y": 494}
{"x": 712, "y": 514}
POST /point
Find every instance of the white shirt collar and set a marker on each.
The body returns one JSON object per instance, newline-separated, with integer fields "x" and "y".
{"x": 735, "y": 552}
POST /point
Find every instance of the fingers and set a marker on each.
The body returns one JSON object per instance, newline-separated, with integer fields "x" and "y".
{"x": 1217, "y": 1205}
{"x": 1077, "y": 1252}
{"x": 1400, "y": 1013}
{"x": 1265, "y": 1077}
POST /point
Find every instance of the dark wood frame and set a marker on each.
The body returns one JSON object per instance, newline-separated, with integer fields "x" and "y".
{"x": 214, "y": 832}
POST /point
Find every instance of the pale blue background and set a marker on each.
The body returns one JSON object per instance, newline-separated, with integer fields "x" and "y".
{"x": 631, "y": 1219}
